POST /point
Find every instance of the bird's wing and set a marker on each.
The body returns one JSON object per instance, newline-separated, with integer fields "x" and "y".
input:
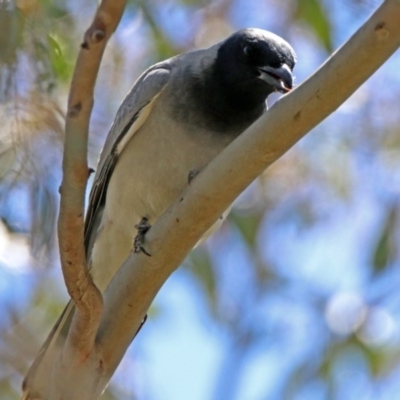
{"x": 130, "y": 117}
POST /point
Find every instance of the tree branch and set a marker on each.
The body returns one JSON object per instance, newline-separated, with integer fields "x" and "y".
{"x": 84, "y": 293}
{"x": 134, "y": 287}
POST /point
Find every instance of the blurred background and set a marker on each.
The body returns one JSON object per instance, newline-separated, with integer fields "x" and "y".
{"x": 297, "y": 296}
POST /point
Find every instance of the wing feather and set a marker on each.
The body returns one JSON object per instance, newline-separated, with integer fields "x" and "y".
{"x": 130, "y": 117}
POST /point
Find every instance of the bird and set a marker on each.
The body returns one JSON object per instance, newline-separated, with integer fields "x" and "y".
{"x": 178, "y": 116}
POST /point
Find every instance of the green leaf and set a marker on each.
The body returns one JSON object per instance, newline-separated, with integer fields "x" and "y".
{"x": 385, "y": 250}
{"x": 313, "y": 14}
{"x": 61, "y": 68}
{"x": 12, "y": 25}
{"x": 248, "y": 225}
{"x": 382, "y": 360}
{"x": 202, "y": 269}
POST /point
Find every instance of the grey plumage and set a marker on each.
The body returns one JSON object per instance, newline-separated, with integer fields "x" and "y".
{"x": 178, "y": 116}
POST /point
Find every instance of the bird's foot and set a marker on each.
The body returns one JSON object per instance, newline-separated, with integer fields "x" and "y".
{"x": 138, "y": 244}
{"x": 192, "y": 174}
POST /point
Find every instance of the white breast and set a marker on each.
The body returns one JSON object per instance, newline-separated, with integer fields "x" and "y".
{"x": 150, "y": 173}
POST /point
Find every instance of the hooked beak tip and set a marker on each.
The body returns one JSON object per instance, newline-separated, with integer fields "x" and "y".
{"x": 280, "y": 78}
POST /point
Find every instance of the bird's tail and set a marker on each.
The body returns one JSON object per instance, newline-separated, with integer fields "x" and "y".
{"x": 36, "y": 382}
{"x": 38, "y": 374}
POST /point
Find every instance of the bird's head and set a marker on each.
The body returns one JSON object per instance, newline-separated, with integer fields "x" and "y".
{"x": 253, "y": 63}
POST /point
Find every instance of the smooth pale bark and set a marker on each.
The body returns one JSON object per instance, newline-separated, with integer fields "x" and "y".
{"x": 85, "y": 295}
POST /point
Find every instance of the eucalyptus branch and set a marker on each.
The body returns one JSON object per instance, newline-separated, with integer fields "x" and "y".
{"x": 83, "y": 292}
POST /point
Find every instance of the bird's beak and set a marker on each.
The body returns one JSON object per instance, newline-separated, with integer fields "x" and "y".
{"x": 280, "y": 78}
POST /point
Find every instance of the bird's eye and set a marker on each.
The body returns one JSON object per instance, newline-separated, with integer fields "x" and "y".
{"x": 246, "y": 50}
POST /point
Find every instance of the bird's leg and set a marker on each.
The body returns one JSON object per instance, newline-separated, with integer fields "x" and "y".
{"x": 192, "y": 174}
{"x": 143, "y": 226}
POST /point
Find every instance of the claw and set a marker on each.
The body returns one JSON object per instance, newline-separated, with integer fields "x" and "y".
{"x": 192, "y": 174}
{"x": 138, "y": 244}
